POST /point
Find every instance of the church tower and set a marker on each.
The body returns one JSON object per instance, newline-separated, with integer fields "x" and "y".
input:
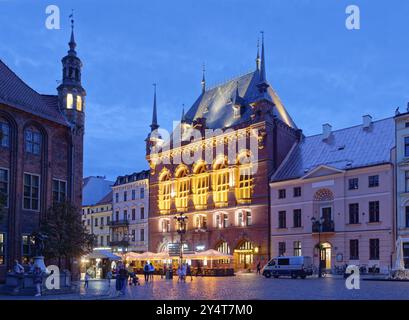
{"x": 71, "y": 94}
{"x": 153, "y": 141}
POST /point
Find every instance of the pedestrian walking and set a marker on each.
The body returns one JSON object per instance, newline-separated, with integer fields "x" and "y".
{"x": 151, "y": 271}
{"x": 86, "y": 278}
{"x": 189, "y": 271}
{"x": 118, "y": 282}
{"x": 19, "y": 271}
{"x": 259, "y": 268}
{"x": 180, "y": 274}
{"x": 146, "y": 272}
{"x": 109, "y": 278}
{"x": 163, "y": 274}
{"x": 38, "y": 280}
{"x": 123, "y": 275}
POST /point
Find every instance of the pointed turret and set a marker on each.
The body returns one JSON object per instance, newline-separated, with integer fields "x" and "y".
{"x": 183, "y": 118}
{"x": 70, "y": 92}
{"x": 203, "y": 79}
{"x": 258, "y": 61}
{"x": 262, "y": 85}
{"x": 154, "y": 125}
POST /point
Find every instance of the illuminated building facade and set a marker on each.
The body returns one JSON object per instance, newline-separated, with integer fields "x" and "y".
{"x": 343, "y": 179}
{"x": 223, "y": 188}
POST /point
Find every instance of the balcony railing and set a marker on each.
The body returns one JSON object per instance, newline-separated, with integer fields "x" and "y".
{"x": 326, "y": 226}
{"x": 118, "y": 223}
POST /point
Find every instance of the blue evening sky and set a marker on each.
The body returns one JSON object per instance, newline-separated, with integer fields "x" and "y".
{"x": 321, "y": 71}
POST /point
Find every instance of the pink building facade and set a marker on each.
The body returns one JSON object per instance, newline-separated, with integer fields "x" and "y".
{"x": 345, "y": 180}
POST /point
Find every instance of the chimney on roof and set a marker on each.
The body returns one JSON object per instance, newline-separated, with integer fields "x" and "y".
{"x": 326, "y": 131}
{"x": 366, "y": 121}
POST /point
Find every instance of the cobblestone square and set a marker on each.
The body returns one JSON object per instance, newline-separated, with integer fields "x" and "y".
{"x": 241, "y": 287}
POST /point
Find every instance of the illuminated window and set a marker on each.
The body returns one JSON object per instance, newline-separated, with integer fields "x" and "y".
{"x": 2, "y": 248}
{"x": 165, "y": 225}
{"x": 164, "y": 192}
{"x": 220, "y": 183}
{"x": 70, "y": 101}
{"x": 200, "y": 221}
{"x": 223, "y": 247}
{"x": 182, "y": 189}
{"x": 244, "y": 186}
{"x": 79, "y": 103}
{"x": 200, "y": 186}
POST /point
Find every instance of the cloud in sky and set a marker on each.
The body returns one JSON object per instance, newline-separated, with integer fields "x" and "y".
{"x": 321, "y": 71}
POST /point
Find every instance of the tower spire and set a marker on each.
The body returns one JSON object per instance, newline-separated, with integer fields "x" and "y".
{"x": 154, "y": 124}
{"x": 258, "y": 55}
{"x": 262, "y": 85}
{"x": 183, "y": 119}
{"x": 72, "y": 42}
{"x": 203, "y": 79}
{"x": 263, "y": 61}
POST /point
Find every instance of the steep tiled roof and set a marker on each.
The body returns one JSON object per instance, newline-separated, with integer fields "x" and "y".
{"x": 105, "y": 200}
{"x": 215, "y": 104}
{"x": 16, "y": 93}
{"x": 144, "y": 174}
{"x": 347, "y": 148}
{"x": 94, "y": 189}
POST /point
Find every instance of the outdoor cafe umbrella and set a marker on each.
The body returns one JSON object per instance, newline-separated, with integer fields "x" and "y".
{"x": 102, "y": 254}
{"x": 211, "y": 255}
{"x": 131, "y": 255}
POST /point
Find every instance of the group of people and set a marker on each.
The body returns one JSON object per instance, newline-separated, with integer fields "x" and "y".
{"x": 184, "y": 270}
{"x": 34, "y": 270}
{"x": 148, "y": 271}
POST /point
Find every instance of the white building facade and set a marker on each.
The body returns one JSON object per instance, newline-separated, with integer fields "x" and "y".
{"x": 96, "y": 218}
{"x": 130, "y": 210}
{"x": 402, "y": 190}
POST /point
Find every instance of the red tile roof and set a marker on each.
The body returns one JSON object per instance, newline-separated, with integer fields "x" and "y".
{"x": 15, "y": 93}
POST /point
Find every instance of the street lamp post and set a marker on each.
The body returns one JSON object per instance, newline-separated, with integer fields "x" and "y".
{"x": 181, "y": 221}
{"x": 318, "y": 223}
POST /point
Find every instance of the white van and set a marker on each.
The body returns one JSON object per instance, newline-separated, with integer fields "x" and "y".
{"x": 288, "y": 266}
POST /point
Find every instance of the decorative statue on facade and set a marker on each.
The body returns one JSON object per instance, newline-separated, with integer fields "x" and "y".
{"x": 37, "y": 248}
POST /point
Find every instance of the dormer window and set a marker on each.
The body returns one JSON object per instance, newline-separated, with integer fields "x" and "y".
{"x": 236, "y": 111}
{"x": 70, "y": 101}
{"x": 79, "y": 103}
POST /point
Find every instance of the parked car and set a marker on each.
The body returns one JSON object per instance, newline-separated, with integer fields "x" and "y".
{"x": 289, "y": 266}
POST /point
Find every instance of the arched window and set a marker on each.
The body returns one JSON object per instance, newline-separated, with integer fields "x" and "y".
{"x": 32, "y": 139}
{"x": 244, "y": 178}
{"x": 4, "y": 133}
{"x": 182, "y": 188}
{"x": 223, "y": 247}
{"x": 200, "y": 186}
{"x": 220, "y": 182}
{"x": 164, "y": 192}
{"x": 245, "y": 252}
